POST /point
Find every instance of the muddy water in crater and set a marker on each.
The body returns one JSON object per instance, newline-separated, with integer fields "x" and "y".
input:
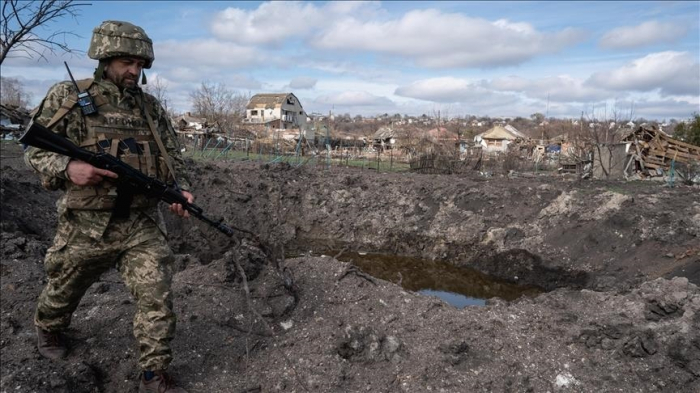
{"x": 457, "y": 286}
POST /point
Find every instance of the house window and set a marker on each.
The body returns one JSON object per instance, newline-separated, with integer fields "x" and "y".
{"x": 254, "y": 113}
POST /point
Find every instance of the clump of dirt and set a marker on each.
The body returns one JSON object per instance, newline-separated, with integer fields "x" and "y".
{"x": 619, "y": 263}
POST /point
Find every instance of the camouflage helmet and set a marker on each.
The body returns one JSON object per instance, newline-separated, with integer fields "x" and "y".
{"x": 116, "y": 38}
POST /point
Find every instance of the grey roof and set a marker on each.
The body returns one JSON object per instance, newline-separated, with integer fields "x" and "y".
{"x": 190, "y": 119}
{"x": 384, "y": 133}
{"x": 268, "y": 100}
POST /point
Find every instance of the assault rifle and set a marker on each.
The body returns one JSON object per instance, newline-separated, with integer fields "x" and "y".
{"x": 129, "y": 177}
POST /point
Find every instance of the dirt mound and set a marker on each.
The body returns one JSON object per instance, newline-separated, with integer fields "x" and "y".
{"x": 618, "y": 261}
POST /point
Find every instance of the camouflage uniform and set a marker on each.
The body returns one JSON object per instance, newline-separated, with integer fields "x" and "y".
{"x": 90, "y": 239}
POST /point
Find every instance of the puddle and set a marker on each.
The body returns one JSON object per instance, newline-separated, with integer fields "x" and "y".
{"x": 454, "y": 299}
{"x": 456, "y": 286}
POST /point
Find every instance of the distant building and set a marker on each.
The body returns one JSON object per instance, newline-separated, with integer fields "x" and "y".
{"x": 187, "y": 121}
{"x": 384, "y": 138}
{"x": 498, "y": 138}
{"x": 277, "y": 110}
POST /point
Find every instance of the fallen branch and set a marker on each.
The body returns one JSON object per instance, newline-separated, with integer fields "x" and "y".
{"x": 206, "y": 284}
{"x": 241, "y": 329}
{"x": 361, "y": 298}
{"x": 352, "y": 269}
{"x": 340, "y": 253}
{"x": 252, "y": 309}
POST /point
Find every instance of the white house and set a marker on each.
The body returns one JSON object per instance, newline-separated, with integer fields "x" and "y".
{"x": 187, "y": 121}
{"x": 498, "y": 138}
{"x": 278, "y": 110}
{"x": 384, "y": 138}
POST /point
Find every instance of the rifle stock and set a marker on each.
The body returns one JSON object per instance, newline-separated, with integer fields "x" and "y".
{"x": 129, "y": 177}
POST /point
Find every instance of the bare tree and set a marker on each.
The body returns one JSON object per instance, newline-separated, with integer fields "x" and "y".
{"x": 158, "y": 88}
{"x": 443, "y": 141}
{"x": 598, "y": 132}
{"x": 20, "y": 21}
{"x": 219, "y": 105}
{"x": 410, "y": 137}
{"x": 13, "y": 93}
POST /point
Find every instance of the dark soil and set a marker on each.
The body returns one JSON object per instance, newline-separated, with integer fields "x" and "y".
{"x": 617, "y": 265}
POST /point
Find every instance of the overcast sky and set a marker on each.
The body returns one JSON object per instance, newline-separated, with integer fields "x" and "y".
{"x": 461, "y": 58}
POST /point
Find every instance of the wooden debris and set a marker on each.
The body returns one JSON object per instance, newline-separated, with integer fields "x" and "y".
{"x": 652, "y": 149}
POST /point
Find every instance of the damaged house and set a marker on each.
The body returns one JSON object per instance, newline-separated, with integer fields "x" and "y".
{"x": 12, "y": 120}
{"x": 652, "y": 152}
{"x": 498, "y": 138}
{"x": 189, "y": 122}
{"x": 384, "y": 138}
{"x": 276, "y": 110}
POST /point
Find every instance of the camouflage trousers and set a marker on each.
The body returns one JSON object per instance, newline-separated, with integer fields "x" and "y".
{"x": 139, "y": 250}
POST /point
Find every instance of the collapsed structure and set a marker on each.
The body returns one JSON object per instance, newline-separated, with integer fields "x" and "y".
{"x": 655, "y": 153}
{"x": 12, "y": 121}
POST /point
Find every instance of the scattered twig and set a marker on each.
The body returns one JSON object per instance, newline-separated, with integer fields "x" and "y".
{"x": 348, "y": 301}
{"x": 340, "y": 253}
{"x": 352, "y": 269}
{"x": 244, "y": 280}
{"x": 241, "y": 329}
{"x": 206, "y": 284}
{"x": 688, "y": 253}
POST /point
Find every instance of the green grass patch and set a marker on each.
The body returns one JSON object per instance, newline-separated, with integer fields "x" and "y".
{"x": 385, "y": 164}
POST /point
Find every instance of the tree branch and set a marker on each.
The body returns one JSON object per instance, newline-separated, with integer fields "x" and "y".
{"x": 19, "y": 26}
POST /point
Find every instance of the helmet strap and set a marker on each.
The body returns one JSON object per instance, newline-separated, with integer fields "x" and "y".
{"x": 143, "y": 77}
{"x": 100, "y": 70}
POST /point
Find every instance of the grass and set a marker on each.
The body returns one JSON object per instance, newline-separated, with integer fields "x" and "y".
{"x": 385, "y": 164}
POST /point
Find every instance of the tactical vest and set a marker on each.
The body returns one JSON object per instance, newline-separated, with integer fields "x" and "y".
{"x": 123, "y": 131}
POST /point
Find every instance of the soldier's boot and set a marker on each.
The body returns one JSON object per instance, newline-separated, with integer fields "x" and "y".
{"x": 51, "y": 345}
{"x": 161, "y": 382}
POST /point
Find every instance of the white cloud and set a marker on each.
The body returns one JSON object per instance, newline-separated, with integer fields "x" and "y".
{"x": 439, "y": 40}
{"x": 353, "y": 98}
{"x": 674, "y": 73}
{"x": 271, "y": 23}
{"x": 429, "y": 37}
{"x": 647, "y": 33}
{"x": 207, "y": 52}
{"x": 332, "y": 86}
{"x": 360, "y": 9}
{"x": 303, "y": 82}
{"x": 555, "y": 88}
{"x": 664, "y": 109}
{"x": 453, "y": 90}
{"x": 276, "y": 23}
{"x": 364, "y": 72}
{"x": 242, "y": 81}
{"x": 183, "y": 74}
{"x": 445, "y": 89}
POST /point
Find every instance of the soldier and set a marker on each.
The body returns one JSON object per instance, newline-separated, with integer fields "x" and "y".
{"x": 99, "y": 225}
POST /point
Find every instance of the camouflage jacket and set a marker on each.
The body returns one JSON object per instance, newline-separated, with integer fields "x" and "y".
{"x": 82, "y": 131}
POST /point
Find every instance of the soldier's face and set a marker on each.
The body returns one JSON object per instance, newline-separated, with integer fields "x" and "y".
{"x": 124, "y": 71}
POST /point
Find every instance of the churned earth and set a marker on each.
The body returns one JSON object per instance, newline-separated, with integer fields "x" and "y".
{"x": 609, "y": 271}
